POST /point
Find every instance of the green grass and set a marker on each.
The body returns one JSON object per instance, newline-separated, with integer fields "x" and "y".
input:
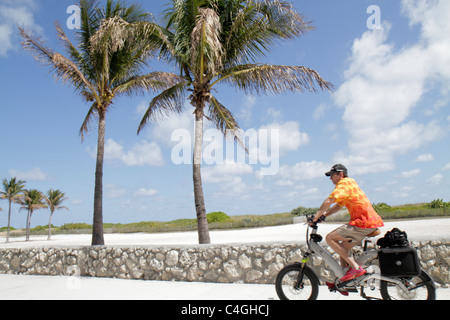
{"x": 220, "y": 221}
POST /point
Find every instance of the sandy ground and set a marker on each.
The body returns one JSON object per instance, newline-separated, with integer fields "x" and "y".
{"x": 430, "y": 229}
{"x": 73, "y": 288}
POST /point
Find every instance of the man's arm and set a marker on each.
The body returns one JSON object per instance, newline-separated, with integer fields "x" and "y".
{"x": 323, "y": 208}
{"x": 333, "y": 210}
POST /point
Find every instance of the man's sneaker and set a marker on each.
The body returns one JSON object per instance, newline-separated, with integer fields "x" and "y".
{"x": 353, "y": 273}
{"x": 332, "y": 288}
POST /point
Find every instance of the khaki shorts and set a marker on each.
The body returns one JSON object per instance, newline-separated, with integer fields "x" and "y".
{"x": 355, "y": 233}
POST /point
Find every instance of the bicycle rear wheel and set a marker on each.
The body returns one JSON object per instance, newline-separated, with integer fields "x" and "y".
{"x": 289, "y": 288}
{"x": 420, "y": 288}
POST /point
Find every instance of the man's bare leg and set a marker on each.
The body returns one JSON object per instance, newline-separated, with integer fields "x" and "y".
{"x": 342, "y": 246}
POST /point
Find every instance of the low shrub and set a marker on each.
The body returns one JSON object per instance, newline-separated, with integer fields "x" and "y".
{"x": 217, "y": 216}
{"x": 75, "y": 226}
{"x": 381, "y": 207}
{"x": 438, "y": 203}
{"x": 302, "y": 211}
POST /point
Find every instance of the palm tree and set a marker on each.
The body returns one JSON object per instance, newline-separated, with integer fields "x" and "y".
{"x": 108, "y": 61}
{"x": 219, "y": 41}
{"x": 54, "y": 199}
{"x": 12, "y": 190}
{"x": 32, "y": 200}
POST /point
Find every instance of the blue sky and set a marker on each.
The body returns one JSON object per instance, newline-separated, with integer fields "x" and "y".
{"x": 387, "y": 120}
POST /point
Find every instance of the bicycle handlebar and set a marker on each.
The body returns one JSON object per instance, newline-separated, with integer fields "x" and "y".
{"x": 310, "y": 220}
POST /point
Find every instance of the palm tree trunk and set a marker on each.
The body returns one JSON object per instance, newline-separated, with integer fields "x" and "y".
{"x": 27, "y": 237}
{"x": 97, "y": 228}
{"x": 9, "y": 222}
{"x": 202, "y": 222}
{"x": 49, "y": 226}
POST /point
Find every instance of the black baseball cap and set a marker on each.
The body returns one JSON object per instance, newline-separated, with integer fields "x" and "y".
{"x": 337, "y": 168}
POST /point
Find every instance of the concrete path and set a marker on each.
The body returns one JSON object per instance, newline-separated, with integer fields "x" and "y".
{"x": 19, "y": 287}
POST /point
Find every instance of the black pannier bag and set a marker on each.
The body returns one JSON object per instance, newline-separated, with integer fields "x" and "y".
{"x": 399, "y": 262}
{"x": 394, "y": 238}
{"x": 396, "y": 257}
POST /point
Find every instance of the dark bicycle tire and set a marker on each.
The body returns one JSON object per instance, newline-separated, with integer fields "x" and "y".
{"x": 288, "y": 276}
{"x": 389, "y": 291}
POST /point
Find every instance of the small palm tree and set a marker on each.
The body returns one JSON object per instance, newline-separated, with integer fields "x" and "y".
{"x": 12, "y": 191}
{"x": 32, "y": 200}
{"x": 109, "y": 61}
{"x": 216, "y": 42}
{"x": 54, "y": 199}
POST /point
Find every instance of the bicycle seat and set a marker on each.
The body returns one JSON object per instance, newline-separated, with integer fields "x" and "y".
{"x": 374, "y": 233}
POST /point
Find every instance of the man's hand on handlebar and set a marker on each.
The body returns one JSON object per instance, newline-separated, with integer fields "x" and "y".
{"x": 312, "y": 220}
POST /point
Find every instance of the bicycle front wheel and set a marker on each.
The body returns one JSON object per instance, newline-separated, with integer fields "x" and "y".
{"x": 295, "y": 282}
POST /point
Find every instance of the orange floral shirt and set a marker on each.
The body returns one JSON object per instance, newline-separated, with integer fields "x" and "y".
{"x": 362, "y": 215}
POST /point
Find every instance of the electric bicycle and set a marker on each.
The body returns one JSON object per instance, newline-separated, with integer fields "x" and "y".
{"x": 298, "y": 281}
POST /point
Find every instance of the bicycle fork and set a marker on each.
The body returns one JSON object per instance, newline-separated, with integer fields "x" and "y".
{"x": 299, "y": 284}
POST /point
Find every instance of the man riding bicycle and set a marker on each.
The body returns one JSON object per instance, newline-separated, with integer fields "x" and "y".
{"x": 363, "y": 218}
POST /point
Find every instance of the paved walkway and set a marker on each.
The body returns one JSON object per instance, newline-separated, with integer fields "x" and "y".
{"x": 19, "y": 287}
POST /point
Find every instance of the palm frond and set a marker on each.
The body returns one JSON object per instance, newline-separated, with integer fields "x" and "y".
{"x": 160, "y": 37}
{"x": 206, "y": 46}
{"x": 76, "y": 56}
{"x": 54, "y": 199}
{"x": 181, "y": 21}
{"x": 32, "y": 200}
{"x": 224, "y": 121}
{"x": 146, "y": 83}
{"x": 90, "y": 21}
{"x": 63, "y": 68}
{"x": 169, "y": 101}
{"x": 12, "y": 189}
{"x": 222, "y": 117}
{"x": 256, "y": 78}
{"x": 252, "y": 29}
{"x": 88, "y": 120}
{"x": 111, "y": 36}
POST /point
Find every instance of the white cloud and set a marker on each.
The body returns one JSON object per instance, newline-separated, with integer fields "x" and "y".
{"x": 229, "y": 177}
{"x": 320, "y": 111}
{"x": 409, "y": 174}
{"x": 291, "y": 138}
{"x": 225, "y": 173}
{"x": 436, "y": 179}
{"x": 143, "y": 192}
{"x": 76, "y": 202}
{"x": 446, "y": 167}
{"x": 112, "y": 191}
{"x": 427, "y": 157}
{"x": 274, "y": 114}
{"x": 12, "y": 15}
{"x": 35, "y": 174}
{"x": 162, "y": 130}
{"x": 302, "y": 171}
{"x": 141, "y": 108}
{"x": 248, "y": 102}
{"x": 383, "y": 85}
{"x": 142, "y": 153}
